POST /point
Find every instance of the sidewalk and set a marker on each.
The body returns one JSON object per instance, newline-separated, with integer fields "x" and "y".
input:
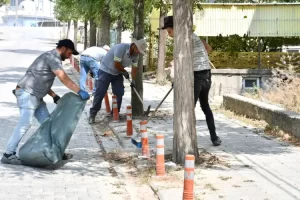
{"x": 248, "y": 165}
{"x": 86, "y": 176}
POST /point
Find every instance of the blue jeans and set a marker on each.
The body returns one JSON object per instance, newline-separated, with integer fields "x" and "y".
{"x": 102, "y": 85}
{"x": 87, "y": 64}
{"x": 30, "y": 106}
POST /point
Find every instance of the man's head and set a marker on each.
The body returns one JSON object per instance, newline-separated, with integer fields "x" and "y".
{"x": 65, "y": 48}
{"x": 168, "y": 25}
{"x": 106, "y": 47}
{"x": 138, "y": 46}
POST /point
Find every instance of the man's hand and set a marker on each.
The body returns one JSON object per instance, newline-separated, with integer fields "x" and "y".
{"x": 56, "y": 98}
{"x": 126, "y": 74}
{"x": 133, "y": 84}
{"x": 84, "y": 95}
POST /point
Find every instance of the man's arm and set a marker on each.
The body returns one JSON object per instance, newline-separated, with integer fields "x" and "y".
{"x": 207, "y": 47}
{"x": 51, "y": 93}
{"x": 119, "y": 67}
{"x": 66, "y": 80}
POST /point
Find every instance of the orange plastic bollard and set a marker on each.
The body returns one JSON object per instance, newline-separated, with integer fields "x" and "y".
{"x": 115, "y": 108}
{"x": 145, "y": 142}
{"x": 90, "y": 79}
{"x": 189, "y": 172}
{"x": 160, "y": 156}
{"x": 107, "y": 105}
{"x": 129, "y": 130}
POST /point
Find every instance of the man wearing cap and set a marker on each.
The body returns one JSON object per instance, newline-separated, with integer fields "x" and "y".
{"x": 202, "y": 77}
{"x": 112, "y": 70}
{"x": 36, "y": 84}
{"x": 89, "y": 62}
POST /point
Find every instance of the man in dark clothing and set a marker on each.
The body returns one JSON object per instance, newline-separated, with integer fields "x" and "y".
{"x": 202, "y": 77}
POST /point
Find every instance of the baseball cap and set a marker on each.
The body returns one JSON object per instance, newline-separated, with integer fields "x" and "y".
{"x": 168, "y": 22}
{"x": 69, "y": 44}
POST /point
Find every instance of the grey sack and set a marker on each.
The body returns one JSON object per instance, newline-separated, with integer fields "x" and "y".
{"x": 48, "y": 143}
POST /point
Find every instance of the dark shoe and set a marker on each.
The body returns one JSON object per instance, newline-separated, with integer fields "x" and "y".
{"x": 217, "y": 142}
{"x": 91, "y": 120}
{"x": 67, "y": 156}
{"x": 10, "y": 159}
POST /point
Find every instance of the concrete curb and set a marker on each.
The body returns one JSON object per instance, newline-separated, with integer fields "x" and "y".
{"x": 276, "y": 116}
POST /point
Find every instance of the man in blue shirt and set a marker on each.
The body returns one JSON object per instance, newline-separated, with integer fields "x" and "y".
{"x": 112, "y": 71}
{"x": 89, "y": 61}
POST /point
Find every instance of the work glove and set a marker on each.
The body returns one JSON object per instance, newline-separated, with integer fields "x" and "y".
{"x": 84, "y": 95}
{"x": 56, "y": 98}
{"x": 92, "y": 74}
{"x": 133, "y": 85}
{"x": 126, "y": 74}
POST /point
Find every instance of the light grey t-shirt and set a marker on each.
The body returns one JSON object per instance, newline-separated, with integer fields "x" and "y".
{"x": 96, "y": 52}
{"x": 120, "y": 53}
{"x": 201, "y": 59}
{"x": 39, "y": 77}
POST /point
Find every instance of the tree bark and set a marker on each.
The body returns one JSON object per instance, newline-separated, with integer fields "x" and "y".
{"x": 93, "y": 33}
{"x": 85, "y": 45}
{"x": 137, "y": 108}
{"x": 105, "y": 27}
{"x": 119, "y": 31}
{"x": 185, "y": 138}
{"x": 68, "y": 30}
{"x": 75, "y": 33}
{"x": 160, "y": 76}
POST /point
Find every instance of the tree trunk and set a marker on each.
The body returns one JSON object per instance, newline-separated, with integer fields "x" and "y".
{"x": 160, "y": 76}
{"x": 85, "y": 45}
{"x": 75, "y": 33}
{"x": 137, "y": 108}
{"x": 105, "y": 27}
{"x": 93, "y": 33}
{"x": 68, "y": 30}
{"x": 185, "y": 138}
{"x": 119, "y": 31}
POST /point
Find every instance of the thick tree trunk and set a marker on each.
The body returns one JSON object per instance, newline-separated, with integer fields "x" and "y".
{"x": 105, "y": 27}
{"x": 93, "y": 33}
{"x": 68, "y": 30}
{"x": 85, "y": 45}
{"x": 75, "y": 33}
{"x": 185, "y": 138}
{"x": 160, "y": 77}
{"x": 119, "y": 31}
{"x": 137, "y": 108}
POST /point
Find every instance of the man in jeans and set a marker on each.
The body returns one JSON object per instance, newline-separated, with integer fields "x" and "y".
{"x": 202, "y": 77}
{"x": 112, "y": 71}
{"x": 89, "y": 62}
{"x": 35, "y": 85}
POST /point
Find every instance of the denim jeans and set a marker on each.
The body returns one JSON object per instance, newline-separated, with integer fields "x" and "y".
{"x": 202, "y": 84}
{"x": 30, "y": 106}
{"x": 87, "y": 64}
{"x": 102, "y": 85}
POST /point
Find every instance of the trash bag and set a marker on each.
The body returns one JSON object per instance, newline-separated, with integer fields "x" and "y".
{"x": 47, "y": 145}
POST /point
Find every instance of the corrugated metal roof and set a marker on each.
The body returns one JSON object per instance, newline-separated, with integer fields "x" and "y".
{"x": 265, "y": 20}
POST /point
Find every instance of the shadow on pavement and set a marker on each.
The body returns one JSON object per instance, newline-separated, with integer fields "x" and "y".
{"x": 23, "y": 51}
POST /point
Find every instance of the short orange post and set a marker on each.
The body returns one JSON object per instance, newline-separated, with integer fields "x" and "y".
{"x": 115, "y": 108}
{"x": 107, "y": 105}
{"x": 160, "y": 155}
{"x": 90, "y": 79}
{"x": 189, "y": 172}
{"x": 129, "y": 121}
{"x": 145, "y": 142}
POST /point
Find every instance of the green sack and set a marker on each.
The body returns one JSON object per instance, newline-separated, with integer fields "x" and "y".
{"x": 48, "y": 143}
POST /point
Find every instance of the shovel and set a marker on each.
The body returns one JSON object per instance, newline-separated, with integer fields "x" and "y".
{"x": 146, "y": 113}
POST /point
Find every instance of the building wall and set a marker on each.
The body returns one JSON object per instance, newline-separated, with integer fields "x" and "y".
{"x": 269, "y": 20}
